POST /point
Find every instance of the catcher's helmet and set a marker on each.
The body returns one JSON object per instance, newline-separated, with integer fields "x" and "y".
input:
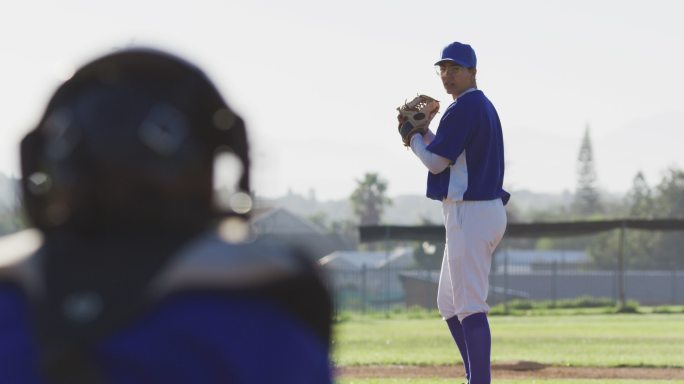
{"x": 130, "y": 139}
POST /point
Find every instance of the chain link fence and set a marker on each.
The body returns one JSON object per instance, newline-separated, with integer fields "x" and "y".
{"x": 550, "y": 275}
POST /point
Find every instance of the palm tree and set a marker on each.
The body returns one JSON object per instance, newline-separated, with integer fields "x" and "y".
{"x": 368, "y": 199}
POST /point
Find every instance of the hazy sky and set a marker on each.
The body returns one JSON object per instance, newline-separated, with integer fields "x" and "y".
{"x": 318, "y": 82}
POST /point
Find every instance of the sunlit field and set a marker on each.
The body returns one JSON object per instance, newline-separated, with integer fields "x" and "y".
{"x": 604, "y": 341}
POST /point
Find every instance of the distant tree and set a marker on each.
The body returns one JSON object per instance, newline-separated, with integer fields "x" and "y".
{"x": 603, "y": 250}
{"x": 669, "y": 202}
{"x": 647, "y": 249}
{"x": 319, "y": 218}
{"x": 587, "y": 198}
{"x": 552, "y": 214}
{"x": 368, "y": 199}
{"x": 639, "y": 199}
{"x": 640, "y": 247}
{"x": 346, "y": 228}
{"x": 670, "y": 199}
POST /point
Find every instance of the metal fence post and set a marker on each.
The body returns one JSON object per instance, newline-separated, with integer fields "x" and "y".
{"x": 621, "y": 267}
{"x": 613, "y": 285}
{"x": 554, "y": 277}
{"x": 388, "y": 293}
{"x": 387, "y": 266}
{"x": 492, "y": 279}
{"x": 364, "y": 279}
{"x": 505, "y": 301}
{"x": 674, "y": 286}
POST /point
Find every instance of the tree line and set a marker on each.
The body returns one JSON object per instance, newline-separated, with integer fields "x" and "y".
{"x": 642, "y": 249}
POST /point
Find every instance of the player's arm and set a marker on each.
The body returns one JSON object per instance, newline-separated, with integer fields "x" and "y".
{"x": 455, "y": 130}
{"x": 428, "y": 137}
{"x": 434, "y": 163}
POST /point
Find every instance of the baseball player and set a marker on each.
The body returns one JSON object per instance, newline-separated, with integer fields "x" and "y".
{"x": 132, "y": 274}
{"x": 465, "y": 159}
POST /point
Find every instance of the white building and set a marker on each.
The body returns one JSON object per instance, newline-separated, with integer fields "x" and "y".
{"x": 371, "y": 274}
{"x": 280, "y": 223}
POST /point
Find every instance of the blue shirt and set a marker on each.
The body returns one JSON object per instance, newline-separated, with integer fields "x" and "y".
{"x": 189, "y": 338}
{"x": 470, "y": 136}
{"x": 217, "y": 312}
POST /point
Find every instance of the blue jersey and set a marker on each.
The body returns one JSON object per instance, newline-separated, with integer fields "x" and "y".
{"x": 222, "y": 313}
{"x": 470, "y": 136}
{"x": 193, "y": 338}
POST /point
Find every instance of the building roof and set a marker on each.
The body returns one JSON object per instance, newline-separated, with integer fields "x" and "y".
{"x": 527, "y": 256}
{"x": 280, "y": 223}
{"x": 370, "y": 259}
{"x": 278, "y": 220}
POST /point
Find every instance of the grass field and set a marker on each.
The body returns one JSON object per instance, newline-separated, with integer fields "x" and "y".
{"x": 525, "y": 381}
{"x": 639, "y": 340}
{"x": 566, "y": 340}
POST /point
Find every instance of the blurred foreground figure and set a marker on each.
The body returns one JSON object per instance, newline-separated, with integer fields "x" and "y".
{"x": 132, "y": 273}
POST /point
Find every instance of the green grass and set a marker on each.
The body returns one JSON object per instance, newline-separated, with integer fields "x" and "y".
{"x": 577, "y": 306}
{"x": 522, "y": 381}
{"x": 603, "y": 340}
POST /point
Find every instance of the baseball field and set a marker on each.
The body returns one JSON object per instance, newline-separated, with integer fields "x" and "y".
{"x": 568, "y": 348}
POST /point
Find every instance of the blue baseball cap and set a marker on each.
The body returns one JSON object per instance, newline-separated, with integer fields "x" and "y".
{"x": 461, "y": 54}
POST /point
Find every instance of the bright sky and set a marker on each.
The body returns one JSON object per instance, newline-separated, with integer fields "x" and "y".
{"x": 318, "y": 81}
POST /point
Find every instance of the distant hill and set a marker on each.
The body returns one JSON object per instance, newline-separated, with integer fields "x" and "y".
{"x": 526, "y": 201}
{"x": 334, "y": 210}
{"x": 412, "y": 209}
{"x": 404, "y": 210}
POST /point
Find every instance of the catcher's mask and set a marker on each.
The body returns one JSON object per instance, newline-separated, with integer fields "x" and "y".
{"x": 131, "y": 140}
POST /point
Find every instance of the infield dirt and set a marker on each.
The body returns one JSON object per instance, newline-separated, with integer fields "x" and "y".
{"x": 512, "y": 370}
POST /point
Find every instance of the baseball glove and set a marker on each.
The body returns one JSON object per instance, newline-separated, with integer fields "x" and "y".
{"x": 415, "y": 116}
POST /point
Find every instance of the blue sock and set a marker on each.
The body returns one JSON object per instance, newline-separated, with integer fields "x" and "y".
{"x": 479, "y": 343}
{"x": 457, "y": 333}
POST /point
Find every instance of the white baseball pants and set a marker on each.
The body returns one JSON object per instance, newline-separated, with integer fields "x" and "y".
{"x": 473, "y": 230}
